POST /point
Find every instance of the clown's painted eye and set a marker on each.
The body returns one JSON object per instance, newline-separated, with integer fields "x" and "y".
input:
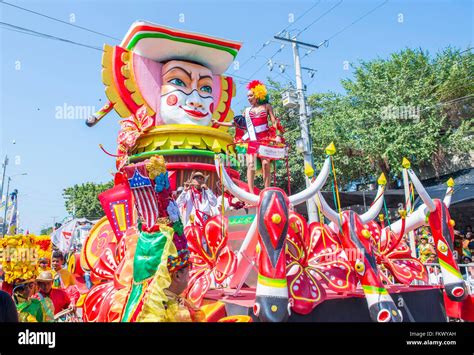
{"x": 177, "y": 82}
{"x": 206, "y": 88}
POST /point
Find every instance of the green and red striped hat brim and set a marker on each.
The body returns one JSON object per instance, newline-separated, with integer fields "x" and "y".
{"x": 143, "y": 30}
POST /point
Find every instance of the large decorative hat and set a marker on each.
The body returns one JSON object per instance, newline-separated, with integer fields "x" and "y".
{"x": 161, "y": 43}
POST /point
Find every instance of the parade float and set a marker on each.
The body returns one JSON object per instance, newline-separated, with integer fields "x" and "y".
{"x": 266, "y": 264}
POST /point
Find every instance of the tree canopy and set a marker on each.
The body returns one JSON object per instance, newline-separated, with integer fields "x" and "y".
{"x": 408, "y": 105}
{"x": 81, "y": 201}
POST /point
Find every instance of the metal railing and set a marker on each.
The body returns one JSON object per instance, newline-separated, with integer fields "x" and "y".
{"x": 435, "y": 276}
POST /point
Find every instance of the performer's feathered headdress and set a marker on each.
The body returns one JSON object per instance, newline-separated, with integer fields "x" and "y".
{"x": 259, "y": 91}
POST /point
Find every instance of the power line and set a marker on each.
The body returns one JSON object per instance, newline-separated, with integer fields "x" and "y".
{"x": 355, "y": 21}
{"x": 320, "y": 17}
{"x": 270, "y": 41}
{"x": 58, "y": 20}
{"x": 23, "y": 32}
{"x": 299, "y": 17}
{"x": 28, "y": 31}
{"x": 282, "y": 46}
{"x": 456, "y": 100}
{"x": 326, "y": 41}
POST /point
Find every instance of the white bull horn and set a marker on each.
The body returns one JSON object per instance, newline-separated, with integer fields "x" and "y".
{"x": 233, "y": 188}
{"x": 376, "y": 206}
{"x": 421, "y": 191}
{"x": 449, "y": 192}
{"x": 310, "y": 191}
{"x": 414, "y": 221}
{"x": 332, "y": 215}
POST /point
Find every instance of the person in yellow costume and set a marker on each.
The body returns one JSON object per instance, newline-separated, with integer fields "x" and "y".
{"x": 62, "y": 277}
{"x": 425, "y": 249}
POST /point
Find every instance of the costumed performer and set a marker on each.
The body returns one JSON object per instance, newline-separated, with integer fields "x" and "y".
{"x": 257, "y": 130}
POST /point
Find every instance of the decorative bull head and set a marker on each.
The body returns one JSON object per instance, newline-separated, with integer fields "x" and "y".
{"x": 271, "y": 227}
{"x": 357, "y": 243}
{"x": 435, "y": 213}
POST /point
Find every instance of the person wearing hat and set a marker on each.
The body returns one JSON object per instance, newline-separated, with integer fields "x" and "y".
{"x": 425, "y": 249}
{"x": 197, "y": 201}
{"x": 28, "y": 308}
{"x": 178, "y": 308}
{"x": 54, "y": 300}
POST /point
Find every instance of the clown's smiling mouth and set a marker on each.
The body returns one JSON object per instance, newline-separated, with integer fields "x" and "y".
{"x": 194, "y": 113}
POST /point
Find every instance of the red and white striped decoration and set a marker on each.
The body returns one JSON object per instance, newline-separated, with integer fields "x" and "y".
{"x": 143, "y": 193}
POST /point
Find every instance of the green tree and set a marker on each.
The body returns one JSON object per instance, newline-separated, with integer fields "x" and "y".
{"x": 46, "y": 231}
{"x": 81, "y": 200}
{"x": 409, "y": 105}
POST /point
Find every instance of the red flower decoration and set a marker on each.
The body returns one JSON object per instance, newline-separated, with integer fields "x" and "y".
{"x": 395, "y": 255}
{"x": 98, "y": 302}
{"x": 131, "y": 129}
{"x": 314, "y": 260}
{"x": 210, "y": 257}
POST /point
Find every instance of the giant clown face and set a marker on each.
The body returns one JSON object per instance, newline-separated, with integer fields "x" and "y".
{"x": 186, "y": 93}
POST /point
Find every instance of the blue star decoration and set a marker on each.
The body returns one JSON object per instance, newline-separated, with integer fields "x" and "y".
{"x": 138, "y": 180}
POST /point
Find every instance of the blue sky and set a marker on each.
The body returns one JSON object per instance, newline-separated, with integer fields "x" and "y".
{"x": 39, "y": 75}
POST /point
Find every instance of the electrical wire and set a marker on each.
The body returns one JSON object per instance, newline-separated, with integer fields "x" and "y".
{"x": 320, "y": 17}
{"x": 27, "y": 31}
{"x": 58, "y": 20}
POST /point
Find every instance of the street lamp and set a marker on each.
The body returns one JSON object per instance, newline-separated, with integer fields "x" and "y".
{"x": 6, "y": 203}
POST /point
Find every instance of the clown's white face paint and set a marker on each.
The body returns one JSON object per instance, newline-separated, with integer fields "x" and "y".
{"x": 186, "y": 94}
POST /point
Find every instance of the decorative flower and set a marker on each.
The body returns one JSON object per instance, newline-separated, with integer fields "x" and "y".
{"x": 395, "y": 255}
{"x": 131, "y": 129}
{"x": 173, "y": 211}
{"x": 18, "y": 257}
{"x": 210, "y": 257}
{"x": 259, "y": 90}
{"x": 162, "y": 182}
{"x": 155, "y": 166}
{"x": 314, "y": 258}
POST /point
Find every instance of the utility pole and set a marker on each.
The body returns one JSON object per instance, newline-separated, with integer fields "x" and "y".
{"x": 9, "y": 179}
{"x": 4, "y": 226}
{"x": 5, "y": 163}
{"x": 303, "y": 117}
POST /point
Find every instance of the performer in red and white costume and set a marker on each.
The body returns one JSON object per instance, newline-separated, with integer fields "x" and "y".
{"x": 257, "y": 129}
{"x": 197, "y": 200}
